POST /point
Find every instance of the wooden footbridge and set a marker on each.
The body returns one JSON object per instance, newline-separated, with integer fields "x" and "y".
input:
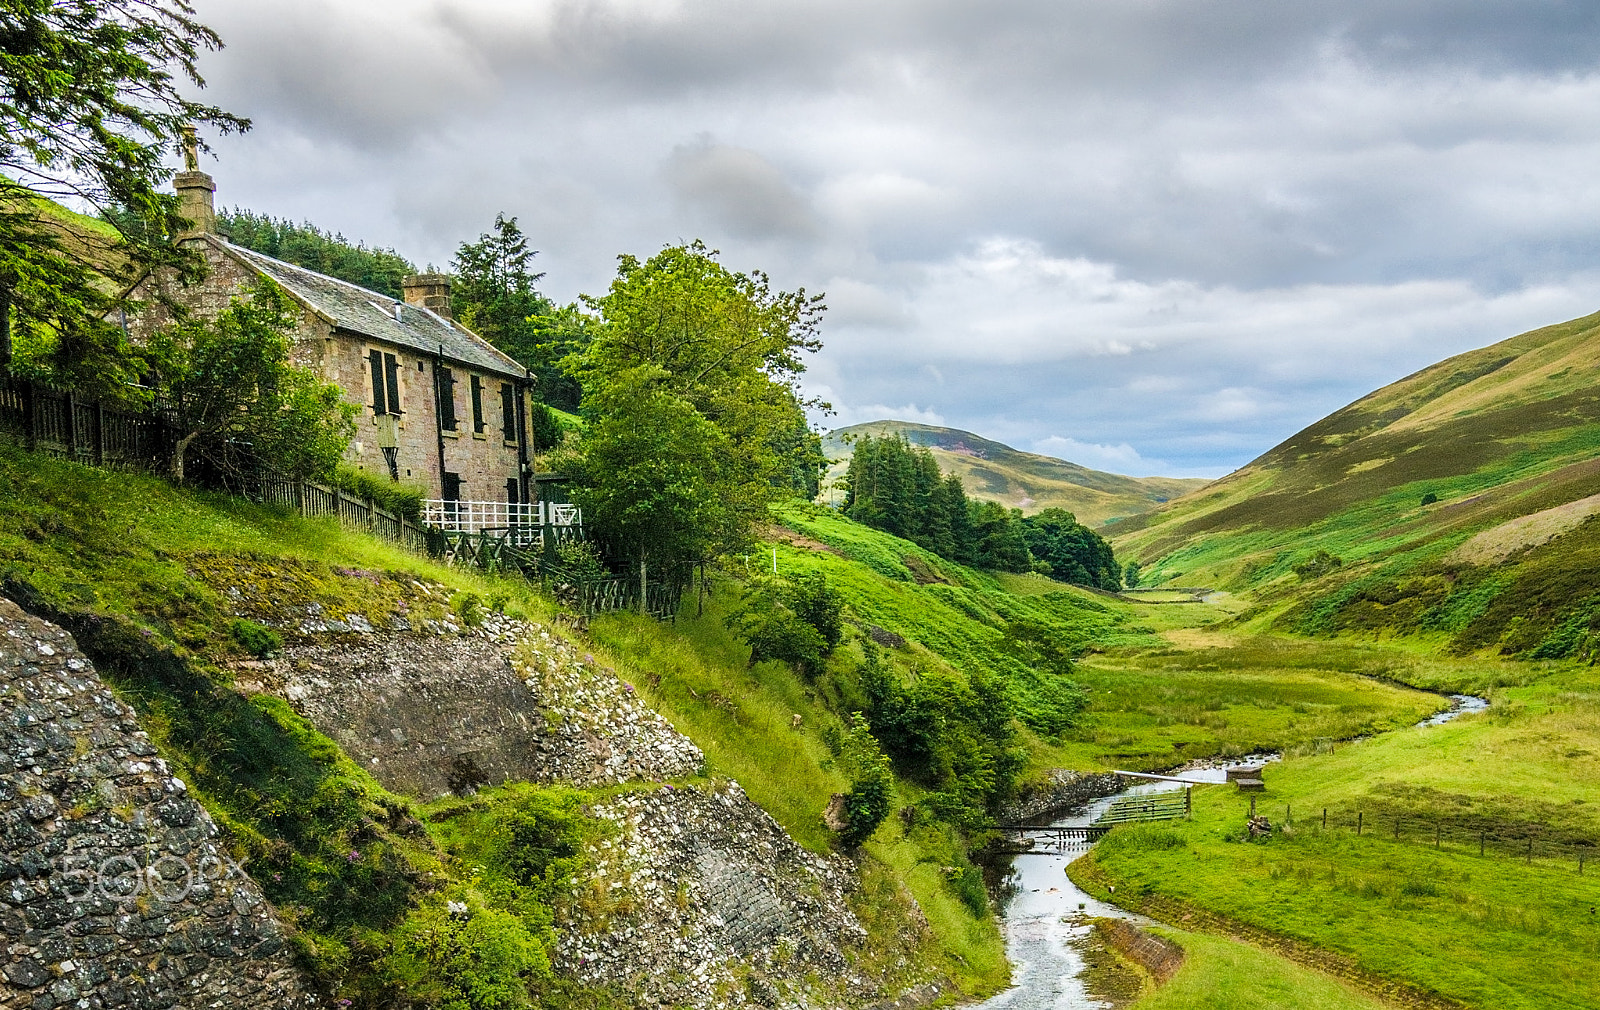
{"x": 1055, "y": 840}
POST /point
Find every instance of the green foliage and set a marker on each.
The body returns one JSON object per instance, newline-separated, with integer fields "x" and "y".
{"x": 494, "y": 294}
{"x": 464, "y": 958}
{"x": 1073, "y": 552}
{"x": 967, "y": 882}
{"x": 306, "y": 245}
{"x": 582, "y": 559}
{"x": 231, "y": 379}
{"x": 545, "y": 427}
{"x": 730, "y": 348}
{"x": 871, "y": 795}
{"x": 397, "y": 497}
{"x": 655, "y": 478}
{"x": 1318, "y": 565}
{"x": 257, "y": 639}
{"x": 468, "y": 608}
{"x": 775, "y": 632}
{"x": 953, "y": 735}
{"x": 1429, "y": 498}
{"x": 1130, "y": 575}
{"x": 96, "y": 97}
{"x": 896, "y": 488}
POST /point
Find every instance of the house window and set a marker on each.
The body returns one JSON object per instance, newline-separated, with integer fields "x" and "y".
{"x": 391, "y": 375}
{"x": 477, "y": 406}
{"x": 385, "y": 382}
{"x": 380, "y": 404}
{"x": 508, "y": 412}
{"x": 447, "y": 399}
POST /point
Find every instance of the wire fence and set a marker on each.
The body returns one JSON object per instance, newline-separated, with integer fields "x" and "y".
{"x": 1482, "y": 835}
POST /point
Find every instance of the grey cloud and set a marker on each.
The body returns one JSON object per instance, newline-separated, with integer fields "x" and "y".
{"x": 1301, "y": 199}
{"x": 738, "y": 190}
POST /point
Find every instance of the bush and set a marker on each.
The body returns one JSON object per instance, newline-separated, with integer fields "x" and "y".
{"x": 403, "y": 500}
{"x": 258, "y": 640}
{"x": 459, "y": 955}
{"x": 797, "y": 622}
{"x": 1429, "y": 498}
{"x": 1318, "y": 565}
{"x": 773, "y": 631}
{"x": 871, "y": 794}
{"x": 468, "y": 608}
{"x": 967, "y": 882}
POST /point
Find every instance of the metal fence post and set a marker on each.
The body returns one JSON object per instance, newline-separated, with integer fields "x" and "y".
{"x": 100, "y": 433}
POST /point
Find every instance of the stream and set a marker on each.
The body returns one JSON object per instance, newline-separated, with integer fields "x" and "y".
{"x": 1046, "y": 918}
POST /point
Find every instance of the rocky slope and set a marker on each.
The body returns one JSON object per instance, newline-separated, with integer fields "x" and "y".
{"x": 113, "y": 889}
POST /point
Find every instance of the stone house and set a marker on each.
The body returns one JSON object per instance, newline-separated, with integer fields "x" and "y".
{"x": 439, "y": 404}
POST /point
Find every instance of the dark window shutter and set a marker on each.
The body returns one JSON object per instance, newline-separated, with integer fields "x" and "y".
{"x": 379, "y": 405}
{"x": 447, "y": 399}
{"x": 477, "y": 405}
{"x": 508, "y": 412}
{"x": 391, "y": 374}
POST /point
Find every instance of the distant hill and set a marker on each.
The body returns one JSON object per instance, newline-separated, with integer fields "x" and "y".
{"x": 994, "y": 471}
{"x": 1477, "y": 475}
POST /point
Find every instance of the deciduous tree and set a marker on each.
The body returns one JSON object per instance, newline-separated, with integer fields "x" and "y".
{"x": 231, "y": 378}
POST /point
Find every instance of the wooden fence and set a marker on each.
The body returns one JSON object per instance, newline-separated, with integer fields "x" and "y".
{"x": 313, "y": 500}
{"x": 63, "y": 423}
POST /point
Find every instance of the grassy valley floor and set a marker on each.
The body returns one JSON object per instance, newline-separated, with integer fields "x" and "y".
{"x": 1409, "y": 904}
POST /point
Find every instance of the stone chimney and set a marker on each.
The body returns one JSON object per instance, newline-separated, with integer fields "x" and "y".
{"x": 196, "y": 190}
{"x": 428, "y": 291}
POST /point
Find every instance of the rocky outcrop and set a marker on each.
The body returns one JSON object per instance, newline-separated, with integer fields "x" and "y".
{"x": 1064, "y": 790}
{"x": 444, "y": 708}
{"x": 702, "y": 900}
{"x": 113, "y": 889}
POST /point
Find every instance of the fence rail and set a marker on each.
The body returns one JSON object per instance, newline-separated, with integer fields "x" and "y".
{"x": 1485, "y": 836}
{"x": 63, "y": 423}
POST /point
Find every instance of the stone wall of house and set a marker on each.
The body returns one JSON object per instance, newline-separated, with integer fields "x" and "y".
{"x": 113, "y": 890}
{"x": 485, "y": 461}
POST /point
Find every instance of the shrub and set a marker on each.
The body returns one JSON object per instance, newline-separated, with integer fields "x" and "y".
{"x": 403, "y": 500}
{"x": 256, "y": 639}
{"x": 871, "y": 794}
{"x": 468, "y": 608}
{"x": 967, "y": 882}
{"x": 1429, "y": 498}
{"x": 459, "y": 955}
{"x": 1318, "y": 565}
{"x": 797, "y": 622}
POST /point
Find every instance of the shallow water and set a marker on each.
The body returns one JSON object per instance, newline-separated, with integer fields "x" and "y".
{"x": 1460, "y": 704}
{"x": 1044, "y": 914}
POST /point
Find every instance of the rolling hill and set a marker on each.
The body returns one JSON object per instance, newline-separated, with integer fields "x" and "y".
{"x": 1456, "y": 501}
{"x": 996, "y": 472}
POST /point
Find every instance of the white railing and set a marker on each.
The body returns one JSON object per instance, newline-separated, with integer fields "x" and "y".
{"x": 477, "y": 516}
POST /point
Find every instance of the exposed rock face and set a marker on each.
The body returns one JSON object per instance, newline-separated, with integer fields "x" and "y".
{"x": 1065, "y": 790}
{"x": 430, "y": 712}
{"x": 702, "y": 900}
{"x": 113, "y": 890}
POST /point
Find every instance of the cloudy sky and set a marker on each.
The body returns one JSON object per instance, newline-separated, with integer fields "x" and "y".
{"x": 1150, "y": 236}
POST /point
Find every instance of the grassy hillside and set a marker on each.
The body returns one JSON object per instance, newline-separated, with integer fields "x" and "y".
{"x": 1410, "y": 900}
{"x": 994, "y": 471}
{"x": 1467, "y": 483}
{"x": 1149, "y": 705}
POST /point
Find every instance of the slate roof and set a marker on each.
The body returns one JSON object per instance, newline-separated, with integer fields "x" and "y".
{"x": 354, "y": 309}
